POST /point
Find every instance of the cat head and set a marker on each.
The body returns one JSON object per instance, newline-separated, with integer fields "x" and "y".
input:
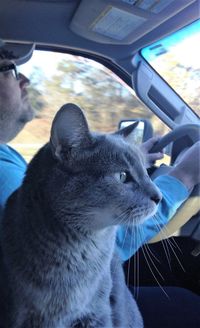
{"x": 96, "y": 180}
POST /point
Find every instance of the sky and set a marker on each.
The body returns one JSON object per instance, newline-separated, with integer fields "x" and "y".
{"x": 46, "y": 61}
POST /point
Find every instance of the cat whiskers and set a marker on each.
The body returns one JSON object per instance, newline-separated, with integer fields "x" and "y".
{"x": 136, "y": 264}
{"x": 172, "y": 244}
{"x": 134, "y": 237}
{"x": 124, "y": 219}
{"x": 164, "y": 229}
{"x": 168, "y": 245}
{"x": 147, "y": 257}
{"x": 129, "y": 260}
{"x": 164, "y": 243}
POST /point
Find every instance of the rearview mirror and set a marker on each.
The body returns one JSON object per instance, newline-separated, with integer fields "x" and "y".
{"x": 142, "y": 132}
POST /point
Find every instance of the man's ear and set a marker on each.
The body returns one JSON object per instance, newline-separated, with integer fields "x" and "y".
{"x": 127, "y": 132}
{"x": 69, "y": 130}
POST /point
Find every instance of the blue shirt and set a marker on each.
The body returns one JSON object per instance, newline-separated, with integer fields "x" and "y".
{"x": 12, "y": 170}
{"x": 129, "y": 239}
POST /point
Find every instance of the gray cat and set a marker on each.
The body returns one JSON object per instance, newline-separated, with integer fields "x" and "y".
{"x": 58, "y": 266}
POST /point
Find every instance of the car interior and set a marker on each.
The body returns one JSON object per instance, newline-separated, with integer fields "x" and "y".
{"x": 121, "y": 36}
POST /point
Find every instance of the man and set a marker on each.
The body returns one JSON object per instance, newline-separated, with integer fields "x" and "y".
{"x": 15, "y": 112}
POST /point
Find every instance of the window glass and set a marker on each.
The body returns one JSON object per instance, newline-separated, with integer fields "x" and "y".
{"x": 58, "y": 78}
{"x": 177, "y": 59}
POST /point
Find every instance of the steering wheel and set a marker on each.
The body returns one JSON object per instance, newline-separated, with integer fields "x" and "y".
{"x": 192, "y": 205}
{"x": 191, "y": 130}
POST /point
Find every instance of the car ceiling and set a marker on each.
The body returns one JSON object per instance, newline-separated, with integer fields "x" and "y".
{"x": 47, "y": 23}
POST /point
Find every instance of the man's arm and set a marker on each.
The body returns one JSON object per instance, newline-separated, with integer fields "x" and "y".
{"x": 187, "y": 170}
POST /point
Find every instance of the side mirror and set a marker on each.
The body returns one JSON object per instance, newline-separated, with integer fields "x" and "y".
{"x": 142, "y": 132}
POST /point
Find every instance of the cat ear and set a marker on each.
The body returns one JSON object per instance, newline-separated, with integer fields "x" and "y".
{"x": 127, "y": 132}
{"x": 69, "y": 129}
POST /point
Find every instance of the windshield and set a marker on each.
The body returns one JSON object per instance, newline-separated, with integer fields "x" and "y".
{"x": 59, "y": 78}
{"x": 177, "y": 59}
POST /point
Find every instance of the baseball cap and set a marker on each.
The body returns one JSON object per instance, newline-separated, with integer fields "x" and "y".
{"x": 20, "y": 53}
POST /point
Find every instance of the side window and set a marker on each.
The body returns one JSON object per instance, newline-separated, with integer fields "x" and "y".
{"x": 58, "y": 78}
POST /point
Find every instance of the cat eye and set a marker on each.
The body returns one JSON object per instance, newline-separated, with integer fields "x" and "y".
{"x": 124, "y": 177}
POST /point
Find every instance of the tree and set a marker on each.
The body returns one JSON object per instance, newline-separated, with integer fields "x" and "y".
{"x": 94, "y": 88}
{"x": 35, "y": 94}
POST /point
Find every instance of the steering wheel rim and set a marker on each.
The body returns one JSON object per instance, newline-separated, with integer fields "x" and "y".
{"x": 193, "y": 130}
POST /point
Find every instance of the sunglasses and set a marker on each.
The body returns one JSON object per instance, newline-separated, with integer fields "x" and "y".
{"x": 10, "y": 67}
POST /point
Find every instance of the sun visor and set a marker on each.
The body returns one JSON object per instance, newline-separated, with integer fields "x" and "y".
{"x": 122, "y": 21}
{"x": 20, "y": 53}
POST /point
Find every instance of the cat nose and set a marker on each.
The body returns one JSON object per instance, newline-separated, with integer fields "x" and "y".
{"x": 153, "y": 192}
{"x": 156, "y": 198}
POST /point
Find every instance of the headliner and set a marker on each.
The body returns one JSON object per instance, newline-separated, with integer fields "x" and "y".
{"x": 46, "y": 22}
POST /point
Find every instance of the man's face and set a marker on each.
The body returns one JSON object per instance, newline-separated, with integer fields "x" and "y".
{"x": 15, "y": 109}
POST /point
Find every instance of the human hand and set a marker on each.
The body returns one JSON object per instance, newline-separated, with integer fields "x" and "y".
{"x": 151, "y": 158}
{"x": 187, "y": 169}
